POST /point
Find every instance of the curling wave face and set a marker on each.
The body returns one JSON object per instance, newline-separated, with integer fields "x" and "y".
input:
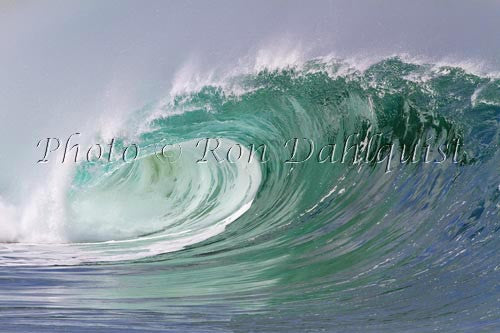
{"x": 322, "y": 233}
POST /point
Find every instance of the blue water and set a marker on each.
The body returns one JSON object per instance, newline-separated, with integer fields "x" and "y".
{"x": 157, "y": 245}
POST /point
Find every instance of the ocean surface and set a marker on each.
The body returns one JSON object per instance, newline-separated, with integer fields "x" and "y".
{"x": 173, "y": 242}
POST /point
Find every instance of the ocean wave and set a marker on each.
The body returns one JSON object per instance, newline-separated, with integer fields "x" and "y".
{"x": 308, "y": 230}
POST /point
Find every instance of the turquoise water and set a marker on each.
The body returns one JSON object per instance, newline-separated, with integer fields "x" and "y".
{"x": 169, "y": 243}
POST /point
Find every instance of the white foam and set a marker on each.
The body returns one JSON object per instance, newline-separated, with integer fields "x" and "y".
{"x": 53, "y": 225}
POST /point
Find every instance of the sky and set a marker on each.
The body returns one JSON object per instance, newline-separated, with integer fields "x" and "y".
{"x": 64, "y": 63}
